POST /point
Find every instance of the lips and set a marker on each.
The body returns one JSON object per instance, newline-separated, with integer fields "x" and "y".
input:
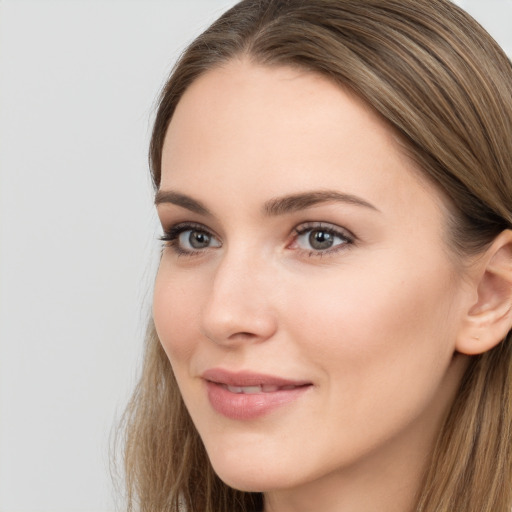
{"x": 246, "y": 395}
{"x": 253, "y": 390}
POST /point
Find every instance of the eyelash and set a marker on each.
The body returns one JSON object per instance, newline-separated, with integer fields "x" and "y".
{"x": 348, "y": 239}
{"x": 171, "y": 238}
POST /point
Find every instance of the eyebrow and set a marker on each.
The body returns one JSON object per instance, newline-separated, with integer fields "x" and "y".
{"x": 301, "y": 201}
{"x": 273, "y": 207}
{"x": 168, "y": 196}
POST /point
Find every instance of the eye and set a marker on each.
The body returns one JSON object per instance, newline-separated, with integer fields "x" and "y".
{"x": 320, "y": 239}
{"x": 190, "y": 239}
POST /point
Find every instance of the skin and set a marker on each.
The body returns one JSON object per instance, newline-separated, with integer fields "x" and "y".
{"x": 372, "y": 323}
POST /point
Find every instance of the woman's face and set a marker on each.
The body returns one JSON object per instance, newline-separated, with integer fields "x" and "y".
{"x": 305, "y": 296}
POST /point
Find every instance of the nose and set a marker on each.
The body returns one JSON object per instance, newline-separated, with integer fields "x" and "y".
{"x": 239, "y": 307}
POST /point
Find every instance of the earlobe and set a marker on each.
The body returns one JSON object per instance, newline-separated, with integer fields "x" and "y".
{"x": 489, "y": 319}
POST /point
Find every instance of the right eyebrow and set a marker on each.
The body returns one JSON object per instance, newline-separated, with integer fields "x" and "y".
{"x": 304, "y": 200}
{"x": 167, "y": 196}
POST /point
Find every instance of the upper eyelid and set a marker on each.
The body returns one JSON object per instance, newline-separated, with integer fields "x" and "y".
{"x": 186, "y": 225}
{"x": 302, "y": 226}
{"x": 171, "y": 233}
{"x": 310, "y": 225}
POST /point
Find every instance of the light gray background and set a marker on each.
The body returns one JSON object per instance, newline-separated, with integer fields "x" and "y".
{"x": 78, "y": 82}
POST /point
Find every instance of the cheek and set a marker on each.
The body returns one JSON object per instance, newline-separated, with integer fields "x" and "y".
{"x": 368, "y": 310}
{"x": 175, "y": 313}
{"x": 374, "y": 331}
{"x": 382, "y": 350}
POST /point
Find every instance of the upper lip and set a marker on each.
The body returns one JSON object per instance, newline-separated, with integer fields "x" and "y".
{"x": 248, "y": 378}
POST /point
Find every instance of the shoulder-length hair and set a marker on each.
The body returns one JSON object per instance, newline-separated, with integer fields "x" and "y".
{"x": 445, "y": 87}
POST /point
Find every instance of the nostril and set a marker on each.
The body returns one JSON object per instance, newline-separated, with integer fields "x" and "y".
{"x": 243, "y": 336}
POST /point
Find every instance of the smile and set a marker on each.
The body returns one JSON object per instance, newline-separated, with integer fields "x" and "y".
{"x": 254, "y": 390}
{"x": 247, "y": 396}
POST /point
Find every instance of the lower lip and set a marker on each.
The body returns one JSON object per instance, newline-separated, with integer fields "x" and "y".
{"x": 241, "y": 406}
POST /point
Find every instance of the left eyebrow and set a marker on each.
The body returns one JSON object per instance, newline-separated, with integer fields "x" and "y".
{"x": 301, "y": 201}
{"x": 187, "y": 202}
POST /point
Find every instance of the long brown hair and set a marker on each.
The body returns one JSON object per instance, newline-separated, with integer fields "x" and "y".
{"x": 445, "y": 87}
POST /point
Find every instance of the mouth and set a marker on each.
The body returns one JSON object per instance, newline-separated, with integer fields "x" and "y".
{"x": 255, "y": 390}
{"x": 247, "y": 380}
{"x": 247, "y": 395}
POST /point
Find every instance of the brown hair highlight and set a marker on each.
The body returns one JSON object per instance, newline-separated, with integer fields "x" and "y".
{"x": 443, "y": 84}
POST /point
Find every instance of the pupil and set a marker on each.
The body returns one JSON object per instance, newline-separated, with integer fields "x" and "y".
{"x": 320, "y": 240}
{"x": 198, "y": 240}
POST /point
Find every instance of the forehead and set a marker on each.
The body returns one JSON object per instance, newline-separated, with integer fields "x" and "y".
{"x": 245, "y": 96}
{"x": 264, "y": 131}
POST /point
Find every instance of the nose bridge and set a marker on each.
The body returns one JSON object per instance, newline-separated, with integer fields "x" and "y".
{"x": 239, "y": 306}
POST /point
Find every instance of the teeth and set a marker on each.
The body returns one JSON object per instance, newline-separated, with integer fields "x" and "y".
{"x": 252, "y": 390}
{"x": 235, "y": 389}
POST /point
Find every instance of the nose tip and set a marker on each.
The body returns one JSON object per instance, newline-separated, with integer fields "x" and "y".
{"x": 230, "y": 321}
{"x": 239, "y": 307}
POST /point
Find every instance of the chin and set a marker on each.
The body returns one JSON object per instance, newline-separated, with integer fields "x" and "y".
{"x": 250, "y": 482}
{"x": 246, "y": 476}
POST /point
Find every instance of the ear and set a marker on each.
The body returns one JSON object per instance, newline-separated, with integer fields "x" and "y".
{"x": 489, "y": 319}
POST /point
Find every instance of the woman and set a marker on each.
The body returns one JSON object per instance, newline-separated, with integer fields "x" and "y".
{"x": 332, "y": 310}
